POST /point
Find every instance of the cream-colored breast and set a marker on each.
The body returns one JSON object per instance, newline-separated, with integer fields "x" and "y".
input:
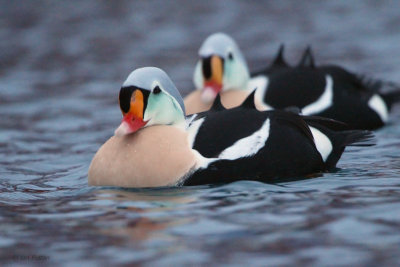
{"x": 153, "y": 156}
{"x": 194, "y": 104}
{"x": 230, "y": 99}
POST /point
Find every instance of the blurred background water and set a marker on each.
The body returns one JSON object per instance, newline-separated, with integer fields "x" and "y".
{"x": 61, "y": 67}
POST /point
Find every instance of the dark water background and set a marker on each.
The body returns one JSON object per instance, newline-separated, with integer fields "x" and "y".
{"x": 61, "y": 67}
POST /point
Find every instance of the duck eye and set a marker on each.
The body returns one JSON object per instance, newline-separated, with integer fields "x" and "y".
{"x": 230, "y": 55}
{"x": 156, "y": 90}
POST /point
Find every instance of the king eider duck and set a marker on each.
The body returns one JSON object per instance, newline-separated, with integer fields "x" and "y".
{"x": 155, "y": 145}
{"x": 329, "y": 91}
{"x": 222, "y": 69}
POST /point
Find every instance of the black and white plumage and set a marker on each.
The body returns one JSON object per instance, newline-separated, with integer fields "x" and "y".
{"x": 244, "y": 143}
{"x": 216, "y": 146}
{"x": 329, "y": 91}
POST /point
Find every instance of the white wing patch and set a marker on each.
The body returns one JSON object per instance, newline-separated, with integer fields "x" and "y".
{"x": 323, "y": 102}
{"x": 193, "y": 129}
{"x": 261, "y": 83}
{"x": 248, "y": 146}
{"x": 322, "y": 142}
{"x": 377, "y": 104}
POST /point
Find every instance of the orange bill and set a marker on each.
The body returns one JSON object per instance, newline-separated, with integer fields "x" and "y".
{"x": 133, "y": 119}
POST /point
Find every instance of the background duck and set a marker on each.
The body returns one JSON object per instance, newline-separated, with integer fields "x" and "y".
{"x": 329, "y": 91}
{"x": 156, "y": 146}
{"x": 222, "y": 69}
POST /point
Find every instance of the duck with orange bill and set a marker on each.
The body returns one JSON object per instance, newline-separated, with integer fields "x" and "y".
{"x": 222, "y": 69}
{"x": 328, "y": 90}
{"x": 156, "y": 145}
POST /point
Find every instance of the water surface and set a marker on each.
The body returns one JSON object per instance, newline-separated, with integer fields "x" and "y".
{"x": 61, "y": 67}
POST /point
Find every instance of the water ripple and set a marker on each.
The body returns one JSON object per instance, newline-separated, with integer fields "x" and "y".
{"x": 61, "y": 67}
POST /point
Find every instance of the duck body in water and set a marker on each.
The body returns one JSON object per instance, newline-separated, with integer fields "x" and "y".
{"x": 155, "y": 145}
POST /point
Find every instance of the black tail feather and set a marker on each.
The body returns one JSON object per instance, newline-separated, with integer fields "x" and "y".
{"x": 389, "y": 91}
{"x": 373, "y": 84}
{"x": 358, "y": 138}
{"x": 331, "y": 124}
{"x": 341, "y": 139}
{"x": 391, "y": 97}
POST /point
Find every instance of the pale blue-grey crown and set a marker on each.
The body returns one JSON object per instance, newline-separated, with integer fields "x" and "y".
{"x": 144, "y": 78}
{"x": 219, "y": 44}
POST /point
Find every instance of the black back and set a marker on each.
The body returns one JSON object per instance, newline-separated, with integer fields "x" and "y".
{"x": 304, "y": 84}
{"x": 289, "y": 151}
{"x": 294, "y": 87}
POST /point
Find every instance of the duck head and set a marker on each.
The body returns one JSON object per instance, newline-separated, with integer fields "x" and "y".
{"x": 149, "y": 97}
{"x": 221, "y": 67}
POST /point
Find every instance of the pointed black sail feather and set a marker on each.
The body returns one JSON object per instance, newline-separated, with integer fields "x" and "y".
{"x": 307, "y": 60}
{"x": 249, "y": 101}
{"x": 279, "y": 59}
{"x": 217, "y": 104}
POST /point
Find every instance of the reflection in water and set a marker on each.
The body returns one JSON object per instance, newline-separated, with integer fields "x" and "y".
{"x": 61, "y": 67}
{"x": 141, "y": 204}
